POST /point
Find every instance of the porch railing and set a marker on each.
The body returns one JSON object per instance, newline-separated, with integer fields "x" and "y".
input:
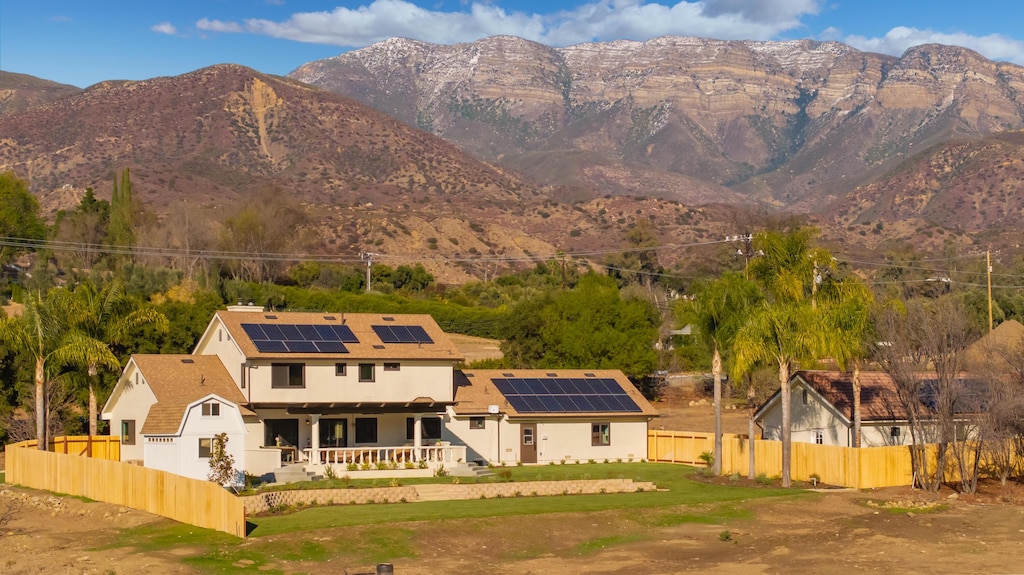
{"x": 389, "y": 456}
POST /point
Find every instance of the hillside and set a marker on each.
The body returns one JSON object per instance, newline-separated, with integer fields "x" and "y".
{"x": 20, "y": 91}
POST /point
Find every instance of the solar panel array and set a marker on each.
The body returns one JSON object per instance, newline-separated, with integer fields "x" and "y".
{"x": 402, "y": 334}
{"x": 566, "y": 395}
{"x": 299, "y": 338}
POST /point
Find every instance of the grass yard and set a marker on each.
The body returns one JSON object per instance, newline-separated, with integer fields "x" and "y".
{"x": 384, "y": 532}
{"x": 675, "y": 488}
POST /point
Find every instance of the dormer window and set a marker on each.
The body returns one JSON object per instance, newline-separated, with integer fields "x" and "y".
{"x": 211, "y": 409}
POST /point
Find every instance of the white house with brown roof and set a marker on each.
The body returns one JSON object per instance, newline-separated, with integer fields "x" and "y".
{"x": 168, "y": 408}
{"x": 349, "y": 390}
{"x": 541, "y": 416}
{"x": 821, "y": 404}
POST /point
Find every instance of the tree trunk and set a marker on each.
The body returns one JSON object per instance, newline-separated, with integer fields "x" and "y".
{"x": 787, "y": 420}
{"x": 856, "y": 403}
{"x": 40, "y": 381}
{"x": 716, "y": 370}
{"x": 750, "y": 443}
{"x": 93, "y": 371}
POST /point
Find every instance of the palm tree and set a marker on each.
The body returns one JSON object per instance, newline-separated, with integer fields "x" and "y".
{"x": 46, "y": 331}
{"x": 716, "y": 312}
{"x": 109, "y": 315}
{"x": 787, "y": 327}
{"x": 847, "y": 320}
{"x": 779, "y": 333}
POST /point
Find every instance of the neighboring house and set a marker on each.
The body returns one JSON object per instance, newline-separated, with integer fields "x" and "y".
{"x": 168, "y": 408}
{"x": 822, "y": 409}
{"x": 346, "y": 389}
{"x": 541, "y": 416}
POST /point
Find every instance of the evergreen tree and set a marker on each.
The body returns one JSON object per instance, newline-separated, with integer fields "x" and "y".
{"x": 121, "y": 232}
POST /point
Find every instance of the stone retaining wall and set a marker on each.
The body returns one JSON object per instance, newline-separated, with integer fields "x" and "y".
{"x": 264, "y": 502}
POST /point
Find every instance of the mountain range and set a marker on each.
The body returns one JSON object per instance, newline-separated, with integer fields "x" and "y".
{"x": 476, "y": 155}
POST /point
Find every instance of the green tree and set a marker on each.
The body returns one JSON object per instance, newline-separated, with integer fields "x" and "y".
{"x": 716, "y": 312}
{"x": 786, "y": 327}
{"x": 121, "y": 232}
{"x": 109, "y": 315}
{"x": 847, "y": 320}
{"x": 46, "y": 332}
{"x": 19, "y": 213}
{"x": 589, "y": 326}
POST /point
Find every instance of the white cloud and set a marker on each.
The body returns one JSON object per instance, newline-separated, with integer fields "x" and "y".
{"x": 595, "y": 20}
{"x": 164, "y": 28}
{"x": 218, "y": 26}
{"x": 899, "y": 39}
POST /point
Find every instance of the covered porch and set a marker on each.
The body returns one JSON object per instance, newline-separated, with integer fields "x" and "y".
{"x": 361, "y": 437}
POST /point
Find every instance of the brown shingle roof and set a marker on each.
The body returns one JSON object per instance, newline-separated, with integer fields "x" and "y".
{"x": 179, "y": 380}
{"x": 475, "y": 391}
{"x": 369, "y": 347}
{"x": 878, "y": 398}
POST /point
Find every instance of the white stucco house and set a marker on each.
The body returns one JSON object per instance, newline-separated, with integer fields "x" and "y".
{"x": 168, "y": 408}
{"x": 362, "y": 393}
{"x": 365, "y": 390}
{"x": 822, "y": 410}
{"x": 542, "y": 416}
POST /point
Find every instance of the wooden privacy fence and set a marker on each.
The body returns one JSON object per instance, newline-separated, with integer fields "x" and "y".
{"x": 199, "y": 503}
{"x": 862, "y": 468}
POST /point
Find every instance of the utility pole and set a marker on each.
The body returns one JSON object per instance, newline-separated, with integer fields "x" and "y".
{"x": 988, "y": 265}
{"x": 368, "y": 258}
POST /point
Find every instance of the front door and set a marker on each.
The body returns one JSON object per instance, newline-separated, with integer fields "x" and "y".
{"x": 528, "y": 448}
{"x": 333, "y": 433}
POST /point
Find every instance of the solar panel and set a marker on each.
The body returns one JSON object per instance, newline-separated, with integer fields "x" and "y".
{"x": 402, "y": 334}
{"x": 565, "y": 395}
{"x": 299, "y": 338}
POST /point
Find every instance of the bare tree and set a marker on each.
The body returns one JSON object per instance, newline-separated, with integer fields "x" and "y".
{"x": 922, "y": 345}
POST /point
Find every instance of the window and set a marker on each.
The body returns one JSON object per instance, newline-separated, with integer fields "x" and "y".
{"x": 392, "y": 366}
{"x": 431, "y": 427}
{"x": 601, "y": 434}
{"x": 894, "y": 432}
{"x": 476, "y": 422}
{"x": 366, "y": 372}
{"x": 819, "y": 437}
{"x": 205, "y": 446}
{"x": 287, "y": 375}
{"x": 127, "y": 432}
{"x": 804, "y": 395}
{"x": 340, "y": 369}
{"x": 366, "y": 430}
{"x": 220, "y": 335}
{"x": 211, "y": 408}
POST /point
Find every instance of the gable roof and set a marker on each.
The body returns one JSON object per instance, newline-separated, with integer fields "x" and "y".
{"x": 879, "y": 400}
{"x": 370, "y": 345}
{"x": 1006, "y": 338}
{"x": 475, "y": 391}
{"x": 180, "y": 380}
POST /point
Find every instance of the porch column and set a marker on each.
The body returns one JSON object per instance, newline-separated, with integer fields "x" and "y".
{"x": 314, "y": 452}
{"x": 417, "y": 435}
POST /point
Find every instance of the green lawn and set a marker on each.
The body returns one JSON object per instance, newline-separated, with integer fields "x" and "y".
{"x": 674, "y": 488}
{"x": 390, "y": 531}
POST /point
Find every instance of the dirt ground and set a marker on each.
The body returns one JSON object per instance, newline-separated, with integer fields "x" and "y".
{"x": 834, "y": 532}
{"x": 676, "y": 414}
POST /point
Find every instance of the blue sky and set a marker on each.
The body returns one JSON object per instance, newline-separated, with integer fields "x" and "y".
{"x": 82, "y": 42}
